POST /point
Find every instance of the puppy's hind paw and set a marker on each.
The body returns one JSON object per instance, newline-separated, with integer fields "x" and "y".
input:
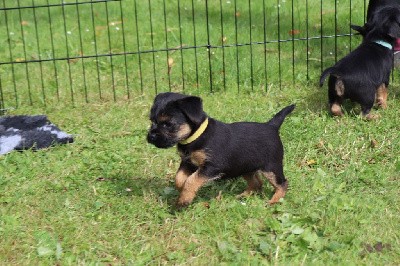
{"x": 280, "y": 192}
{"x": 336, "y": 110}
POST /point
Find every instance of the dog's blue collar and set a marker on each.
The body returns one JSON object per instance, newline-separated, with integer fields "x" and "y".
{"x": 385, "y": 44}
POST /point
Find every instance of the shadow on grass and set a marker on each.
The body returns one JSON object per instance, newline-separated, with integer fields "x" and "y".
{"x": 164, "y": 189}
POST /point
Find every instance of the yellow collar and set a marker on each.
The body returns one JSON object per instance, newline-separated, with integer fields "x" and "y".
{"x": 196, "y": 134}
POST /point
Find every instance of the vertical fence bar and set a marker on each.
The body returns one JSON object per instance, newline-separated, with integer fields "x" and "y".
{"x": 96, "y": 52}
{"x": 82, "y": 53}
{"x": 322, "y": 38}
{"x": 38, "y": 51}
{"x": 169, "y": 60}
{"x": 67, "y": 51}
{"x": 251, "y": 48}
{"x": 265, "y": 45}
{"x": 2, "y": 107}
{"x": 351, "y": 35}
{"x": 25, "y": 57}
{"x": 152, "y": 46}
{"x": 53, "y": 51}
{"x": 138, "y": 50}
{"x": 336, "y": 27}
{"x": 223, "y": 44}
{"x": 365, "y": 10}
{"x": 279, "y": 45}
{"x": 124, "y": 49}
{"x": 195, "y": 45}
{"x": 308, "y": 43}
{"x": 111, "y": 53}
{"x": 293, "y": 33}
{"x": 180, "y": 45}
{"x": 209, "y": 48}
{"x": 237, "y": 48}
{"x": 11, "y": 56}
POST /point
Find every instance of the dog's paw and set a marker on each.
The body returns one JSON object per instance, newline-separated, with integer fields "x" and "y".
{"x": 382, "y": 104}
{"x": 370, "y": 117}
{"x": 245, "y": 194}
{"x": 182, "y": 204}
{"x": 336, "y": 109}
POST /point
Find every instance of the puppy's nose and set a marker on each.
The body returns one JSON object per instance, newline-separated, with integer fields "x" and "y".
{"x": 151, "y": 137}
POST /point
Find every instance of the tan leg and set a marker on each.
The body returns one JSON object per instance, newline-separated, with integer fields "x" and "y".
{"x": 336, "y": 109}
{"x": 193, "y": 183}
{"x": 381, "y": 96}
{"x": 280, "y": 189}
{"x": 254, "y": 184}
{"x": 181, "y": 177}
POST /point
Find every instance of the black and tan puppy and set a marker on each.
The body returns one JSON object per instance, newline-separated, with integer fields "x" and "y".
{"x": 212, "y": 150}
{"x": 363, "y": 75}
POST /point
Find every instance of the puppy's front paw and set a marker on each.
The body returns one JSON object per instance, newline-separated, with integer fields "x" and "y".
{"x": 371, "y": 116}
{"x": 381, "y": 103}
{"x": 182, "y": 204}
{"x": 245, "y": 194}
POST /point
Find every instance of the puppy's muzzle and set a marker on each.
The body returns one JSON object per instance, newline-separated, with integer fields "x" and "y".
{"x": 159, "y": 140}
{"x": 151, "y": 137}
{"x": 156, "y": 139}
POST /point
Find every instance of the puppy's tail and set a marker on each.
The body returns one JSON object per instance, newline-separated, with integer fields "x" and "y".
{"x": 277, "y": 120}
{"x": 325, "y": 74}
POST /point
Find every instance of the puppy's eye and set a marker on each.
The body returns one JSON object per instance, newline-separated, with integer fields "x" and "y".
{"x": 166, "y": 124}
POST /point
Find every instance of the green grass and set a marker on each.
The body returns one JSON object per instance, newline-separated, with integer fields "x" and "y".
{"x": 99, "y": 28}
{"x": 108, "y": 197}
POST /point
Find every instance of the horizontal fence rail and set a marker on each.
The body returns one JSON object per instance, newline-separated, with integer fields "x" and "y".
{"x": 83, "y": 51}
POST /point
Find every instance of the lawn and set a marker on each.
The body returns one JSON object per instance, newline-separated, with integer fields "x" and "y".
{"x": 108, "y": 198}
{"x": 130, "y": 29}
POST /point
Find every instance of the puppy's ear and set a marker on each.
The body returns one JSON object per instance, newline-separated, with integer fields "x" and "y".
{"x": 192, "y": 107}
{"x": 360, "y": 29}
{"x": 394, "y": 30}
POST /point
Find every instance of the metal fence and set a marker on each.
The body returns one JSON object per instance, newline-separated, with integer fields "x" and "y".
{"x": 85, "y": 51}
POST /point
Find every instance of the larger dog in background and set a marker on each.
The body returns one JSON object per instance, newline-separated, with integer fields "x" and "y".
{"x": 363, "y": 75}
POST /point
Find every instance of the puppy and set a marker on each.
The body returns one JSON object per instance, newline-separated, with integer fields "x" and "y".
{"x": 363, "y": 75}
{"x": 211, "y": 150}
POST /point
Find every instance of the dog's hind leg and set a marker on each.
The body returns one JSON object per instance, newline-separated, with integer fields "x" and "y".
{"x": 254, "y": 184}
{"x": 280, "y": 186}
{"x": 335, "y": 95}
{"x": 381, "y": 96}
